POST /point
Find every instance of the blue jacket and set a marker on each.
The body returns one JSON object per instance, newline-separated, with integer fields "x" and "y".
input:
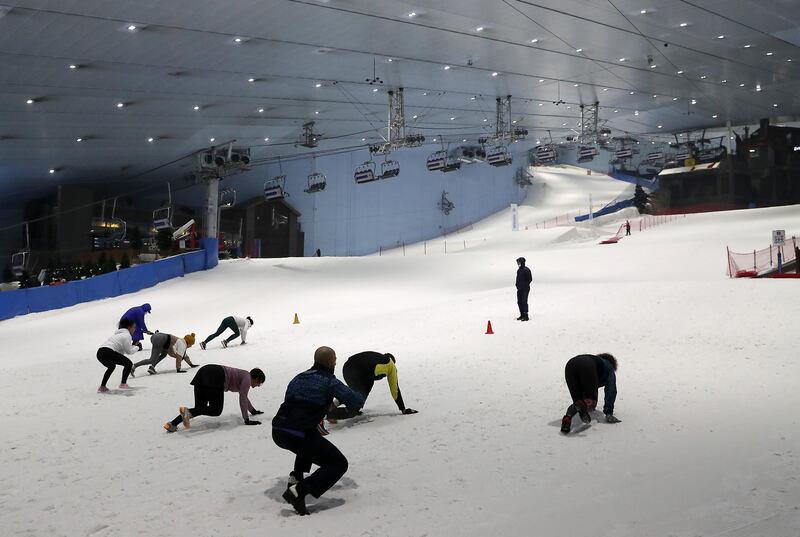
{"x": 309, "y": 396}
{"x": 136, "y": 315}
{"x": 607, "y": 377}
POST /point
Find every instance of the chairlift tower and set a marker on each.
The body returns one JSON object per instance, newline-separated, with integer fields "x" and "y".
{"x": 588, "y": 126}
{"x": 502, "y": 122}
{"x": 397, "y": 118}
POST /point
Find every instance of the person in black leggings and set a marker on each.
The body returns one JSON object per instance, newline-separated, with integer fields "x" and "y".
{"x": 585, "y": 374}
{"x": 111, "y": 354}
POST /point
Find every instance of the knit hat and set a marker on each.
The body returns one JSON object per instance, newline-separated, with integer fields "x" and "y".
{"x": 189, "y": 339}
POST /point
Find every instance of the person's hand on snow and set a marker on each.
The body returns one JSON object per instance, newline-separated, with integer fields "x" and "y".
{"x": 409, "y": 411}
{"x": 611, "y": 418}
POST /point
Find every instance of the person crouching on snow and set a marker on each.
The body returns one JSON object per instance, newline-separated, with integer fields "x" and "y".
{"x": 584, "y": 374}
{"x": 112, "y": 352}
{"x": 210, "y": 384}
{"x": 136, "y": 314}
{"x": 166, "y": 344}
{"x": 238, "y": 326}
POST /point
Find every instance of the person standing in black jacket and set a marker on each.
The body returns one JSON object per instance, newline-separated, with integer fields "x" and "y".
{"x": 295, "y": 428}
{"x": 585, "y": 374}
{"x": 524, "y": 279}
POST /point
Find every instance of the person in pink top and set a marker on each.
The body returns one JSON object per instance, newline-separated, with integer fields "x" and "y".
{"x": 210, "y": 384}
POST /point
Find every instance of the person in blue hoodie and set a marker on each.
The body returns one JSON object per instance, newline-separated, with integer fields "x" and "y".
{"x": 297, "y": 428}
{"x": 585, "y": 374}
{"x": 136, "y": 314}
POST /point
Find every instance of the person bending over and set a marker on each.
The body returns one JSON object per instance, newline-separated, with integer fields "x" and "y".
{"x": 584, "y": 374}
{"x": 166, "y": 344}
{"x": 295, "y": 428}
{"x": 237, "y": 325}
{"x": 210, "y": 384}
{"x": 112, "y": 353}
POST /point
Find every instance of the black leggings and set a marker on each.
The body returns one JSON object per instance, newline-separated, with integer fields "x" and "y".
{"x": 310, "y": 449}
{"x": 111, "y": 359}
{"x": 208, "y": 401}
{"x": 227, "y": 322}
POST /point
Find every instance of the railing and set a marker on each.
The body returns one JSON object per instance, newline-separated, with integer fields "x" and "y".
{"x": 764, "y": 261}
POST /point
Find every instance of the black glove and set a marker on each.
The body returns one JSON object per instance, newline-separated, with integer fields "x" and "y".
{"x": 252, "y": 422}
{"x": 611, "y": 418}
{"x": 256, "y": 412}
{"x": 409, "y": 411}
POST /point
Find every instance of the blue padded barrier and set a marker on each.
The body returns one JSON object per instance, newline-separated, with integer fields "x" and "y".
{"x": 137, "y": 278}
{"x": 13, "y": 303}
{"x": 608, "y": 209}
{"x": 169, "y": 268}
{"x": 211, "y": 246}
{"x": 194, "y": 261}
{"x": 97, "y": 287}
{"x": 51, "y": 297}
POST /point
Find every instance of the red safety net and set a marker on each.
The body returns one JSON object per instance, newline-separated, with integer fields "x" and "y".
{"x": 760, "y": 262}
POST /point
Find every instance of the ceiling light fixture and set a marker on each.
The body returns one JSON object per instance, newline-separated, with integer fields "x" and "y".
{"x": 120, "y": 105}
{"x": 412, "y": 15}
{"x": 748, "y": 46}
{"x": 769, "y": 53}
{"x": 52, "y": 170}
{"x": 495, "y": 73}
{"x": 374, "y": 90}
{"x": 266, "y": 139}
{"x": 578, "y": 50}
{"x": 30, "y": 101}
{"x": 260, "y": 110}
{"x": 694, "y": 101}
{"x": 636, "y": 113}
{"x": 78, "y": 139}
{"x": 631, "y": 93}
{"x": 389, "y": 60}
{"x": 317, "y": 85}
{"x": 605, "y": 89}
{"x": 446, "y": 67}
{"x": 616, "y": 111}
{"x": 683, "y": 24}
{"x": 479, "y": 29}
{"x": 151, "y": 139}
{"x": 660, "y": 126}
{"x": 316, "y": 112}
{"x": 211, "y": 139}
{"x": 653, "y": 66}
{"x": 775, "y": 105}
{"x": 131, "y": 27}
{"x": 720, "y": 37}
{"x": 534, "y": 41}
{"x": 622, "y": 59}
{"x": 680, "y": 72}
{"x": 251, "y": 79}
{"x": 741, "y": 85}
{"x": 414, "y": 117}
{"x": 758, "y": 87}
{"x": 72, "y": 66}
{"x": 575, "y": 85}
{"x": 724, "y": 81}
{"x": 237, "y": 40}
{"x": 452, "y": 119}
{"x": 714, "y": 116}
{"x": 195, "y": 107}
{"x": 674, "y": 98}
{"x": 643, "y": 12}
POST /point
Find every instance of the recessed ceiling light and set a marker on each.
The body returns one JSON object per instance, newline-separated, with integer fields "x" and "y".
{"x": 238, "y": 40}
{"x": 389, "y": 60}
{"x": 52, "y": 170}
{"x": 724, "y": 81}
{"x": 714, "y": 116}
{"x": 260, "y": 110}
{"x": 660, "y": 126}
{"x": 266, "y": 139}
{"x": 30, "y": 101}
{"x": 484, "y": 119}
{"x": 653, "y": 66}
{"x": 514, "y": 121}
{"x": 452, "y": 119}
{"x": 788, "y": 60}
{"x": 741, "y": 85}
{"x": 195, "y": 107}
{"x": 251, "y": 79}
{"x": 769, "y": 53}
{"x": 151, "y": 139}
{"x": 495, "y": 73}
{"x": 720, "y": 37}
{"x": 316, "y": 112}
{"x": 72, "y": 66}
{"x": 463, "y": 139}
{"x": 446, "y": 67}
{"x": 120, "y": 105}
{"x": 775, "y": 105}
{"x": 317, "y": 85}
{"x": 131, "y": 27}
{"x": 703, "y": 77}
{"x": 434, "y": 139}
{"x": 748, "y": 46}
{"x": 674, "y": 98}
{"x": 575, "y": 85}
{"x": 694, "y": 101}
{"x": 412, "y": 15}
{"x": 622, "y": 59}
{"x": 374, "y": 90}
{"x": 633, "y": 92}
{"x": 541, "y": 104}
{"x": 563, "y": 124}
{"x": 683, "y": 24}
{"x": 414, "y": 117}
{"x": 616, "y": 111}
{"x": 605, "y": 89}
{"x": 534, "y": 40}
{"x": 643, "y": 12}
{"x": 680, "y": 72}
{"x": 578, "y": 50}
{"x": 636, "y": 113}
{"x": 211, "y": 139}
{"x": 479, "y": 29}
{"x": 78, "y": 139}
{"x": 655, "y": 96}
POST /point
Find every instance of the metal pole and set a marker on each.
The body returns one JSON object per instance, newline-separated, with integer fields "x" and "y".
{"x": 212, "y": 208}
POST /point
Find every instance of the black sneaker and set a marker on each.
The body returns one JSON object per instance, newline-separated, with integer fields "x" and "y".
{"x": 585, "y": 416}
{"x": 566, "y": 424}
{"x": 152, "y": 370}
{"x": 295, "y": 496}
{"x": 224, "y": 343}
{"x": 203, "y": 345}
{"x": 520, "y": 318}
{"x": 525, "y": 317}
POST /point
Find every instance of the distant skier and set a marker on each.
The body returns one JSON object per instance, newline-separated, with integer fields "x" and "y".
{"x": 238, "y": 326}
{"x": 524, "y": 279}
{"x": 627, "y": 228}
{"x": 136, "y": 314}
{"x": 585, "y": 373}
{"x": 360, "y": 372}
{"x": 210, "y": 384}
{"x": 166, "y": 344}
{"x": 111, "y": 354}
{"x": 295, "y": 428}
{"x": 797, "y": 259}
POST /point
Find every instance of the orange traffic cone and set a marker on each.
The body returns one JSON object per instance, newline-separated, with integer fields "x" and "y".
{"x": 296, "y": 319}
{"x": 489, "y": 328}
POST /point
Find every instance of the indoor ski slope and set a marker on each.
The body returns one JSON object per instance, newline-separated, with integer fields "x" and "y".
{"x": 708, "y": 396}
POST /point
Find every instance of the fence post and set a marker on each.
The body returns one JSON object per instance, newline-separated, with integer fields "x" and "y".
{"x": 730, "y": 269}
{"x": 465, "y": 244}
{"x": 404, "y": 249}
{"x": 755, "y": 268}
{"x": 380, "y": 251}
{"x": 770, "y": 255}
{"x": 425, "y": 246}
{"x": 445, "y": 246}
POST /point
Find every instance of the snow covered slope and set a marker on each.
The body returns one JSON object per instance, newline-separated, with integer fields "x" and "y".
{"x": 707, "y": 391}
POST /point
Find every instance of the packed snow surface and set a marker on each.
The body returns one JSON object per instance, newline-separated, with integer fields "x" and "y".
{"x": 708, "y": 390}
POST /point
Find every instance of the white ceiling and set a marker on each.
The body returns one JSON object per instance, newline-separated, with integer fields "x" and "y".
{"x": 184, "y": 55}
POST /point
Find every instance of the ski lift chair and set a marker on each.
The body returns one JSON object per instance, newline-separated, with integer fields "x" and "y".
{"x": 273, "y": 189}
{"x": 586, "y": 154}
{"x": 365, "y": 173}
{"x": 546, "y": 154}
{"x": 20, "y": 262}
{"x": 162, "y": 218}
{"x": 316, "y": 183}
{"x": 389, "y": 169}
{"x": 451, "y": 165}
{"x": 436, "y": 161}
{"x": 499, "y": 156}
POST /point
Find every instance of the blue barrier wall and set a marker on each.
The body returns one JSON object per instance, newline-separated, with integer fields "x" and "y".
{"x": 608, "y": 209}
{"x": 129, "y": 280}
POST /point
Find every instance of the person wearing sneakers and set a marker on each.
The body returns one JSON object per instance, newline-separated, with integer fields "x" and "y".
{"x": 113, "y": 351}
{"x": 524, "y": 279}
{"x": 136, "y": 314}
{"x": 238, "y": 326}
{"x": 360, "y": 373}
{"x": 210, "y": 384}
{"x": 585, "y": 373}
{"x": 166, "y": 344}
{"x": 295, "y": 428}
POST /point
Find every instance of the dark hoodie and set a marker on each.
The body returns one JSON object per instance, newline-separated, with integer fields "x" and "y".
{"x": 524, "y": 276}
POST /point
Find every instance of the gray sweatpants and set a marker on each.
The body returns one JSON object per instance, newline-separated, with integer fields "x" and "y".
{"x": 160, "y": 342}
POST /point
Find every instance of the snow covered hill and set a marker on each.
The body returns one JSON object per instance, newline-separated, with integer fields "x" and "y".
{"x": 707, "y": 390}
